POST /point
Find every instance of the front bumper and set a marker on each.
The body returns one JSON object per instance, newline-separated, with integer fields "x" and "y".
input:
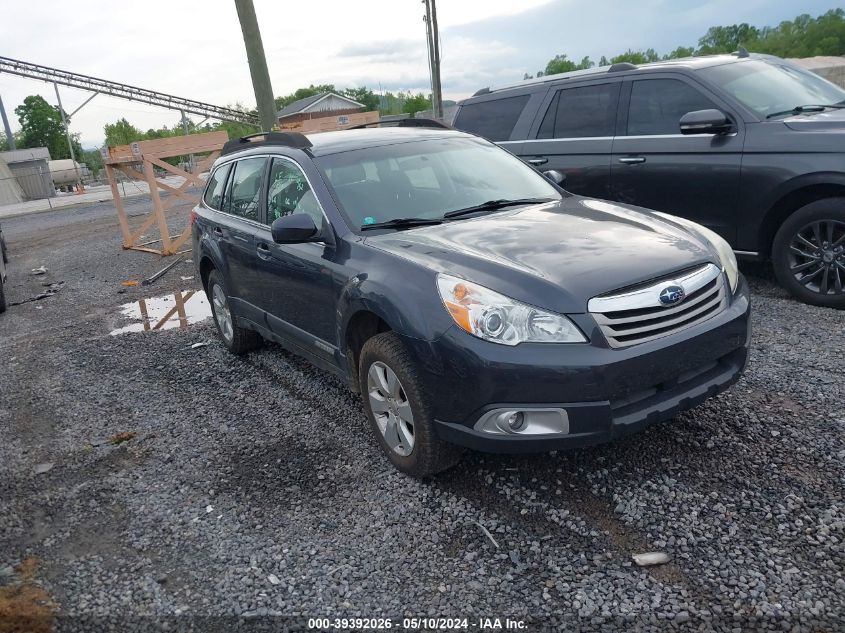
{"x": 606, "y": 393}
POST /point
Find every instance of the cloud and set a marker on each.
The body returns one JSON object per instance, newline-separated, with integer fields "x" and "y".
{"x": 386, "y": 50}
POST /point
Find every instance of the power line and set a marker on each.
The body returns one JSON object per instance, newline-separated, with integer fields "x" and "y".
{"x": 123, "y": 91}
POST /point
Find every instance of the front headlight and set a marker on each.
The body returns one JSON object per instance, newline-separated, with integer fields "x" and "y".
{"x": 500, "y": 319}
{"x": 722, "y": 249}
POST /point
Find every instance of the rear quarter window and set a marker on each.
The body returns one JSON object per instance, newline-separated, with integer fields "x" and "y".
{"x": 214, "y": 190}
{"x": 494, "y": 119}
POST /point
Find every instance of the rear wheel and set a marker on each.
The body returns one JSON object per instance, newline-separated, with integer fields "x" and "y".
{"x": 809, "y": 253}
{"x": 397, "y": 409}
{"x": 237, "y": 339}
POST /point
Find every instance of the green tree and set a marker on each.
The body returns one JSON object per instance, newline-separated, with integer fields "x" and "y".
{"x": 726, "y": 39}
{"x": 122, "y": 132}
{"x": 804, "y": 36}
{"x": 92, "y": 158}
{"x": 562, "y": 64}
{"x": 41, "y": 126}
{"x": 416, "y": 103}
{"x": 363, "y": 95}
{"x": 636, "y": 57}
{"x": 681, "y": 51}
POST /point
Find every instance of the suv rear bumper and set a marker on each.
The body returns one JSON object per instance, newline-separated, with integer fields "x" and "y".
{"x": 606, "y": 393}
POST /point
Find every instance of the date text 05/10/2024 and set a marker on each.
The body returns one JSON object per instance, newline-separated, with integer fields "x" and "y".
{"x": 417, "y": 624}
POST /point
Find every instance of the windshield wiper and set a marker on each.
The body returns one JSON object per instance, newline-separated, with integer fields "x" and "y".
{"x": 805, "y": 108}
{"x": 493, "y": 205}
{"x": 401, "y": 223}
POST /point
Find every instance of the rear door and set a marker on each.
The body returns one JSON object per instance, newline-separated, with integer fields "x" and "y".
{"x": 235, "y": 232}
{"x": 655, "y": 166}
{"x": 297, "y": 291}
{"x": 573, "y": 134}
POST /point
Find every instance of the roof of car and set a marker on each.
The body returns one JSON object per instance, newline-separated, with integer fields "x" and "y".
{"x": 326, "y": 143}
{"x": 684, "y": 62}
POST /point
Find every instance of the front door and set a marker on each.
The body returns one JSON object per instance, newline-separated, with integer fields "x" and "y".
{"x": 694, "y": 176}
{"x": 297, "y": 279}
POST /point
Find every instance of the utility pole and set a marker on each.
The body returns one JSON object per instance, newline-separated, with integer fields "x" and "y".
{"x": 257, "y": 64}
{"x": 9, "y": 138}
{"x": 79, "y": 188}
{"x": 434, "y": 57}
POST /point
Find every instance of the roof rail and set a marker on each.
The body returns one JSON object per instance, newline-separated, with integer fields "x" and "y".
{"x": 288, "y": 139}
{"x": 482, "y": 91}
{"x": 406, "y": 122}
{"x": 620, "y": 66}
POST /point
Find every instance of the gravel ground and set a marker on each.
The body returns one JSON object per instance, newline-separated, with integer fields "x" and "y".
{"x": 253, "y": 487}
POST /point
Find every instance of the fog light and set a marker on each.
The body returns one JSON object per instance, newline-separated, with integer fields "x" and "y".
{"x": 516, "y": 420}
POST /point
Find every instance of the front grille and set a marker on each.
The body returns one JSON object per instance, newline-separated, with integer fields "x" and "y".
{"x": 637, "y": 315}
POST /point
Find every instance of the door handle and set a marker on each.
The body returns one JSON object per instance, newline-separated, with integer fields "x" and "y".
{"x": 263, "y": 251}
{"x": 632, "y": 160}
{"x": 538, "y": 161}
{"x": 218, "y": 230}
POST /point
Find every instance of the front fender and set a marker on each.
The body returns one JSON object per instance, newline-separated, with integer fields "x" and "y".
{"x": 408, "y": 303}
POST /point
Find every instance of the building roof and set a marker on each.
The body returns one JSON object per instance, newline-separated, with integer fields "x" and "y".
{"x": 25, "y": 155}
{"x": 308, "y": 103}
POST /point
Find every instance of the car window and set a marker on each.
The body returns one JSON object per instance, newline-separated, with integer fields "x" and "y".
{"x": 289, "y": 193}
{"x": 581, "y": 112}
{"x": 427, "y": 178}
{"x": 245, "y": 187}
{"x": 657, "y": 106}
{"x": 494, "y": 120}
{"x": 214, "y": 190}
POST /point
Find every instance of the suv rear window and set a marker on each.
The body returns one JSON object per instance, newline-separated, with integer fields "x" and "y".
{"x": 581, "y": 112}
{"x": 494, "y": 120}
{"x": 214, "y": 191}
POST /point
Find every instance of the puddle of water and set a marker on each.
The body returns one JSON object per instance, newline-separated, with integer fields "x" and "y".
{"x": 178, "y": 310}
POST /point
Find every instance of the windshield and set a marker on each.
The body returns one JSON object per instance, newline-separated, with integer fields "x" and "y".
{"x": 767, "y": 87}
{"x": 427, "y": 179}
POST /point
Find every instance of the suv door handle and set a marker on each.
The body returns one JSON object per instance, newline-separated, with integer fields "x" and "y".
{"x": 632, "y": 160}
{"x": 218, "y": 230}
{"x": 263, "y": 250}
{"x": 538, "y": 161}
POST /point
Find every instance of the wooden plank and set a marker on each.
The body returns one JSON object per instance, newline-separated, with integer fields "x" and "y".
{"x": 170, "y": 146}
{"x": 158, "y": 211}
{"x": 182, "y": 238}
{"x": 118, "y": 204}
{"x": 176, "y": 171}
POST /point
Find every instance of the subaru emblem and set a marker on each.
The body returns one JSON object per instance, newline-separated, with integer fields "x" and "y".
{"x": 671, "y": 295}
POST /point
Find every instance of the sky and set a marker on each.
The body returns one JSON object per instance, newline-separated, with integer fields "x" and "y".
{"x": 194, "y": 49}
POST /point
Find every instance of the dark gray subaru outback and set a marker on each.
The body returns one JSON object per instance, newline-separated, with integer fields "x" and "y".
{"x": 471, "y": 301}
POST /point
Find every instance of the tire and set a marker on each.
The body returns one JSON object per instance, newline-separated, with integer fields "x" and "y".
{"x": 2, "y": 297}
{"x": 428, "y": 455}
{"x": 3, "y": 248}
{"x": 808, "y": 253}
{"x": 237, "y": 339}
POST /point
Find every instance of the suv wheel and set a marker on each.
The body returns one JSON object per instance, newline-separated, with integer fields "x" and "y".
{"x": 394, "y": 402}
{"x": 237, "y": 340}
{"x": 809, "y": 253}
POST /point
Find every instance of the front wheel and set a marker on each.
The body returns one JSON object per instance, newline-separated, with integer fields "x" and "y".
{"x": 396, "y": 407}
{"x": 808, "y": 253}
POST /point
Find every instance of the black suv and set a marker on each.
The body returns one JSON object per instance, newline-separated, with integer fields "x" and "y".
{"x": 468, "y": 298}
{"x": 750, "y": 146}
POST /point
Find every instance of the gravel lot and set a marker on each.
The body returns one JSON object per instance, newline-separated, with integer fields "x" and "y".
{"x": 253, "y": 486}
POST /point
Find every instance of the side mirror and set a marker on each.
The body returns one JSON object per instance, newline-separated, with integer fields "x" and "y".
{"x": 555, "y": 176}
{"x": 294, "y": 229}
{"x": 705, "y": 122}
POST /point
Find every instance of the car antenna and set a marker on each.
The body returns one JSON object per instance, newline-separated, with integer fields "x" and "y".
{"x": 742, "y": 52}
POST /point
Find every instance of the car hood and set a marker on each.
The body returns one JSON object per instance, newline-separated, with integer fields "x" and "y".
{"x": 553, "y": 255}
{"x": 828, "y": 120}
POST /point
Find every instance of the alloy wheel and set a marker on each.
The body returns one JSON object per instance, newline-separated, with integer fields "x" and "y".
{"x": 391, "y": 408}
{"x": 222, "y": 313}
{"x": 817, "y": 257}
